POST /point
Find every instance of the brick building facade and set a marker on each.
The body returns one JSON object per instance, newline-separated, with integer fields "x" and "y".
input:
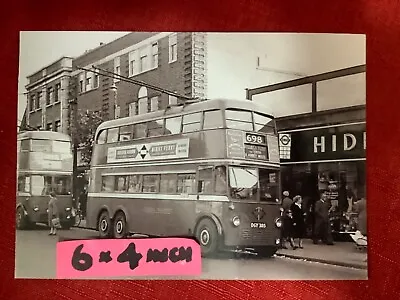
{"x": 47, "y": 96}
{"x": 172, "y": 61}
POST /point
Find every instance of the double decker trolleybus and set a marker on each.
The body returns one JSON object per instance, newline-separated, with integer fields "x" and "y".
{"x": 44, "y": 164}
{"x": 208, "y": 169}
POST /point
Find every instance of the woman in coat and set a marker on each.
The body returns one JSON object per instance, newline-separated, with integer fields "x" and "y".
{"x": 299, "y": 226}
{"x": 52, "y": 213}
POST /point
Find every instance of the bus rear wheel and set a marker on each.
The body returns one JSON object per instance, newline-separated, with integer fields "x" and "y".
{"x": 208, "y": 237}
{"x": 104, "y": 225}
{"x": 266, "y": 251}
{"x": 120, "y": 227}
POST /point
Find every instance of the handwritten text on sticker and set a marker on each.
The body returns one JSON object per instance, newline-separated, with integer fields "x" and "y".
{"x": 128, "y": 257}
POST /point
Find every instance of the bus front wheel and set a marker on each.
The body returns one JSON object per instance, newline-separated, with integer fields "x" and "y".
{"x": 120, "y": 227}
{"x": 208, "y": 237}
{"x": 104, "y": 225}
{"x": 22, "y": 221}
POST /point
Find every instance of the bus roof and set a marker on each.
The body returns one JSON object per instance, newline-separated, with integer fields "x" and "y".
{"x": 191, "y": 107}
{"x": 46, "y": 135}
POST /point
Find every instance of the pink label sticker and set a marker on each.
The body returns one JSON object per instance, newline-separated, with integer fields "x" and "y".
{"x": 128, "y": 257}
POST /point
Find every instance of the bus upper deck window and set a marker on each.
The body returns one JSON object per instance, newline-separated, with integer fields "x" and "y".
{"x": 173, "y": 125}
{"x": 156, "y": 127}
{"x": 239, "y": 119}
{"x": 212, "y": 119}
{"x": 191, "y": 122}
{"x": 140, "y": 130}
{"x": 112, "y": 136}
{"x": 263, "y": 124}
{"x": 125, "y": 133}
{"x": 101, "y": 139}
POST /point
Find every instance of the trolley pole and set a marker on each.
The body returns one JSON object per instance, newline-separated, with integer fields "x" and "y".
{"x": 73, "y": 104}
{"x": 75, "y": 153}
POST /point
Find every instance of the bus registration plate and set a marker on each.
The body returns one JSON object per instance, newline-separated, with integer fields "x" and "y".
{"x": 258, "y": 225}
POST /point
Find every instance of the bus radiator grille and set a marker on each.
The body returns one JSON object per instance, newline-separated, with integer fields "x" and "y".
{"x": 256, "y": 235}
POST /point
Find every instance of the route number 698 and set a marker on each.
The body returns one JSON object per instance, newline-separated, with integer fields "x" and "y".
{"x": 254, "y": 139}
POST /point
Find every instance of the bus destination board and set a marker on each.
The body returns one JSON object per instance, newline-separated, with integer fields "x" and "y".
{"x": 246, "y": 145}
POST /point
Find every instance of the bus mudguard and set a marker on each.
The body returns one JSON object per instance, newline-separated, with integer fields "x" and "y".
{"x": 212, "y": 217}
{"x": 23, "y": 207}
{"x": 124, "y": 210}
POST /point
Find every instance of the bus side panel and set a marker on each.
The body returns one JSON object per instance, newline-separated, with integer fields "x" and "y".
{"x": 177, "y": 216}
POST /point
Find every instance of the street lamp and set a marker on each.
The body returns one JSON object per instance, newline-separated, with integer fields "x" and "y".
{"x": 114, "y": 89}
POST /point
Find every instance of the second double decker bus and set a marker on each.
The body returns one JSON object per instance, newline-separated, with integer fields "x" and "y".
{"x": 208, "y": 169}
{"x": 44, "y": 164}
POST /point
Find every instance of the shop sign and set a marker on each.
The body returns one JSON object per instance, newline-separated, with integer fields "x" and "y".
{"x": 347, "y": 141}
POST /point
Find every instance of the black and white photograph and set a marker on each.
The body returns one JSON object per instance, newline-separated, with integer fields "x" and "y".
{"x": 252, "y": 144}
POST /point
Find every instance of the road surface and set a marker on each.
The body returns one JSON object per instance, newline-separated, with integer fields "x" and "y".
{"x": 36, "y": 258}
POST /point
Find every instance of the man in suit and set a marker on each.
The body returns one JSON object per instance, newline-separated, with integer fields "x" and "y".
{"x": 323, "y": 229}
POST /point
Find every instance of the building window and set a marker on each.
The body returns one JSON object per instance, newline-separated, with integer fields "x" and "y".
{"x": 88, "y": 81}
{"x": 49, "y": 95}
{"x": 144, "y": 59}
{"x": 154, "y": 103}
{"x": 57, "y": 126}
{"x": 142, "y": 96}
{"x": 117, "y": 68}
{"x": 57, "y": 93}
{"x": 143, "y": 106}
{"x": 95, "y": 81}
{"x": 38, "y": 100}
{"x": 132, "y": 109}
{"x": 173, "y": 47}
{"x": 172, "y": 100}
{"x": 154, "y": 55}
{"x": 32, "y": 103}
{"x": 133, "y": 63}
{"x": 81, "y": 83}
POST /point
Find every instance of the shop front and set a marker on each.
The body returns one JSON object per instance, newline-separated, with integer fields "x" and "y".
{"x": 326, "y": 158}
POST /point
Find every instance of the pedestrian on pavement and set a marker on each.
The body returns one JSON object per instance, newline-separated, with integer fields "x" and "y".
{"x": 323, "y": 229}
{"x": 53, "y": 214}
{"x": 361, "y": 208}
{"x": 287, "y": 224}
{"x": 299, "y": 225}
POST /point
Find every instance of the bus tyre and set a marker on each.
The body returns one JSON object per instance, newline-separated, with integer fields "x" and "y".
{"x": 267, "y": 251}
{"x": 208, "y": 237}
{"x": 120, "y": 227}
{"x": 22, "y": 221}
{"x": 104, "y": 225}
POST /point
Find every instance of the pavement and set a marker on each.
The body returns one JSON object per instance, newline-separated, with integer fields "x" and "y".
{"x": 343, "y": 254}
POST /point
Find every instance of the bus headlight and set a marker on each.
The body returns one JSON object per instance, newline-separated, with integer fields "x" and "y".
{"x": 278, "y": 223}
{"x": 236, "y": 221}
